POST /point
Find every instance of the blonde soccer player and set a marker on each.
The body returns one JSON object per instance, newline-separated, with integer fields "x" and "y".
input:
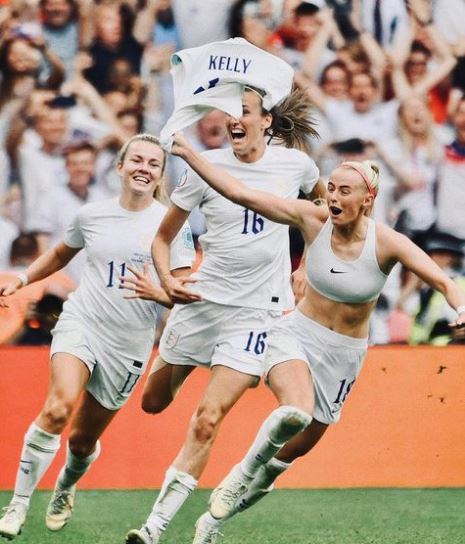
{"x": 102, "y": 341}
{"x": 316, "y": 352}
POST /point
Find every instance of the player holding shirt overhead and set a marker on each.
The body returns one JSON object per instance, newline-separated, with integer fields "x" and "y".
{"x": 316, "y": 352}
{"x": 102, "y": 342}
{"x": 244, "y": 281}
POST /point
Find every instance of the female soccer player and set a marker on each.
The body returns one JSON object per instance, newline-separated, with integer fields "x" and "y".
{"x": 315, "y": 353}
{"x": 101, "y": 342}
{"x": 244, "y": 281}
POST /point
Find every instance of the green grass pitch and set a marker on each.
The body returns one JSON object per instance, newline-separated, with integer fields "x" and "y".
{"x": 352, "y": 516}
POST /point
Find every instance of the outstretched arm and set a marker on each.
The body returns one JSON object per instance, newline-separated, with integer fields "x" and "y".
{"x": 415, "y": 259}
{"x": 280, "y": 210}
{"x": 51, "y": 261}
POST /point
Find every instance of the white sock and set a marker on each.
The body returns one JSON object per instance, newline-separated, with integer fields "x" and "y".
{"x": 76, "y": 467}
{"x": 280, "y": 426}
{"x": 176, "y": 488}
{"x": 262, "y": 483}
{"x": 213, "y": 521}
{"x": 39, "y": 449}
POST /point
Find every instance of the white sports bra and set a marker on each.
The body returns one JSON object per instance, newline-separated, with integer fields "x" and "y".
{"x": 353, "y": 282}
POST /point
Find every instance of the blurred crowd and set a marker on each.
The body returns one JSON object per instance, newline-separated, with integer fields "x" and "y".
{"x": 386, "y": 78}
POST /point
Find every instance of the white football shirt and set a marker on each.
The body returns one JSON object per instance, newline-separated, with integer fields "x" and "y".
{"x": 114, "y": 238}
{"x": 246, "y": 257}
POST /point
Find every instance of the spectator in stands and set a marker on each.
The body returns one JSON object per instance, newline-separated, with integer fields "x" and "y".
{"x": 253, "y": 20}
{"x": 417, "y": 45}
{"x": 383, "y": 19}
{"x": 66, "y": 26}
{"x": 118, "y": 35}
{"x": 413, "y": 156}
{"x": 433, "y": 314}
{"x": 21, "y": 59}
{"x": 362, "y": 115}
{"x": 58, "y": 207}
{"x": 306, "y": 48}
{"x": 451, "y": 180}
{"x": 51, "y": 128}
{"x": 201, "y": 21}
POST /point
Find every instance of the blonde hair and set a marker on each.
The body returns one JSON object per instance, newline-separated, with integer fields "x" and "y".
{"x": 369, "y": 171}
{"x": 160, "y": 193}
{"x": 432, "y": 144}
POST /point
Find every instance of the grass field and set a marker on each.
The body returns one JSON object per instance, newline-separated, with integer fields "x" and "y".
{"x": 353, "y": 516}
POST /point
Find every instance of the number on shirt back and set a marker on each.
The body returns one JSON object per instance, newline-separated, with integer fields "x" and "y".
{"x": 253, "y": 223}
{"x": 256, "y": 342}
{"x": 114, "y": 271}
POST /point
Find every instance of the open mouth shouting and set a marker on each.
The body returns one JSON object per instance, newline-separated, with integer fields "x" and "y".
{"x": 237, "y": 134}
{"x": 335, "y": 210}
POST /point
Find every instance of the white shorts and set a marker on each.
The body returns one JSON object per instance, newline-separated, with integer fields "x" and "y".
{"x": 113, "y": 376}
{"x": 208, "y": 334}
{"x": 334, "y": 359}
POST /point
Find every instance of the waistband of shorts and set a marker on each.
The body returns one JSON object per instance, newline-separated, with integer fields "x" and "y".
{"x": 328, "y": 336}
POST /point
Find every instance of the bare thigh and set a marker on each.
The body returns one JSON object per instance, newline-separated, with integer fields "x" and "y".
{"x": 292, "y": 384}
{"x": 163, "y": 384}
{"x": 68, "y": 377}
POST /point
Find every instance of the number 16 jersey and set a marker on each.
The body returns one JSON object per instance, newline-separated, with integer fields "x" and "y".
{"x": 246, "y": 256}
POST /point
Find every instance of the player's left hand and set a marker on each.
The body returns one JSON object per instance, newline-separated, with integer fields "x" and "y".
{"x": 141, "y": 285}
{"x": 459, "y": 322}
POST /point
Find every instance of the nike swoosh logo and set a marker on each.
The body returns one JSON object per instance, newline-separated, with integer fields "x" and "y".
{"x": 338, "y": 271}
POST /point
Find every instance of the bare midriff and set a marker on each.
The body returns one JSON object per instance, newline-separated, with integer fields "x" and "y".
{"x": 341, "y": 317}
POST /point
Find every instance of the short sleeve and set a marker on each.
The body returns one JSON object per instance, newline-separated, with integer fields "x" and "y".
{"x": 189, "y": 191}
{"x": 310, "y": 177}
{"x": 73, "y": 236}
{"x": 182, "y": 253}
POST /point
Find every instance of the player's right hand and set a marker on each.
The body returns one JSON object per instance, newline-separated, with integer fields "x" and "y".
{"x": 177, "y": 291}
{"x": 8, "y": 290}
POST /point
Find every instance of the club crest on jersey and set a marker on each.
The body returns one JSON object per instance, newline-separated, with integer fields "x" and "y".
{"x": 182, "y": 179}
{"x": 187, "y": 238}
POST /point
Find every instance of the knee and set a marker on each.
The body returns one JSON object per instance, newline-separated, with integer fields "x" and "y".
{"x": 206, "y": 422}
{"x": 292, "y": 420}
{"x": 57, "y": 413}
{"x": 81, "y": 445}
{"x": 154, "y": 405}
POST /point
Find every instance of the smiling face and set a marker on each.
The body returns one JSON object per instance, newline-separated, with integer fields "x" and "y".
{"x": 141, "y": 168}
{"x": 347, "y": 196}
{"x": 247, "y": 133}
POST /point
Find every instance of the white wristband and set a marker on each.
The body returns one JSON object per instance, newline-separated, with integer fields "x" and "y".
{"x": 461, "y": 309}
{"x": 23, "y": 279}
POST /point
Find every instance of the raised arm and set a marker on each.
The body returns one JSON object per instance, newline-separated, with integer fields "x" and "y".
{"x": 402, "y": 249}
{"x": 51, "y": 261}
{"x": 172, "y": 283}
{"x": 280, "y": 210}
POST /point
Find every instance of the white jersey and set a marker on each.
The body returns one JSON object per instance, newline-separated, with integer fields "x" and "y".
{"x": 246, "y": 257}
{"x": 115, "y": 238}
